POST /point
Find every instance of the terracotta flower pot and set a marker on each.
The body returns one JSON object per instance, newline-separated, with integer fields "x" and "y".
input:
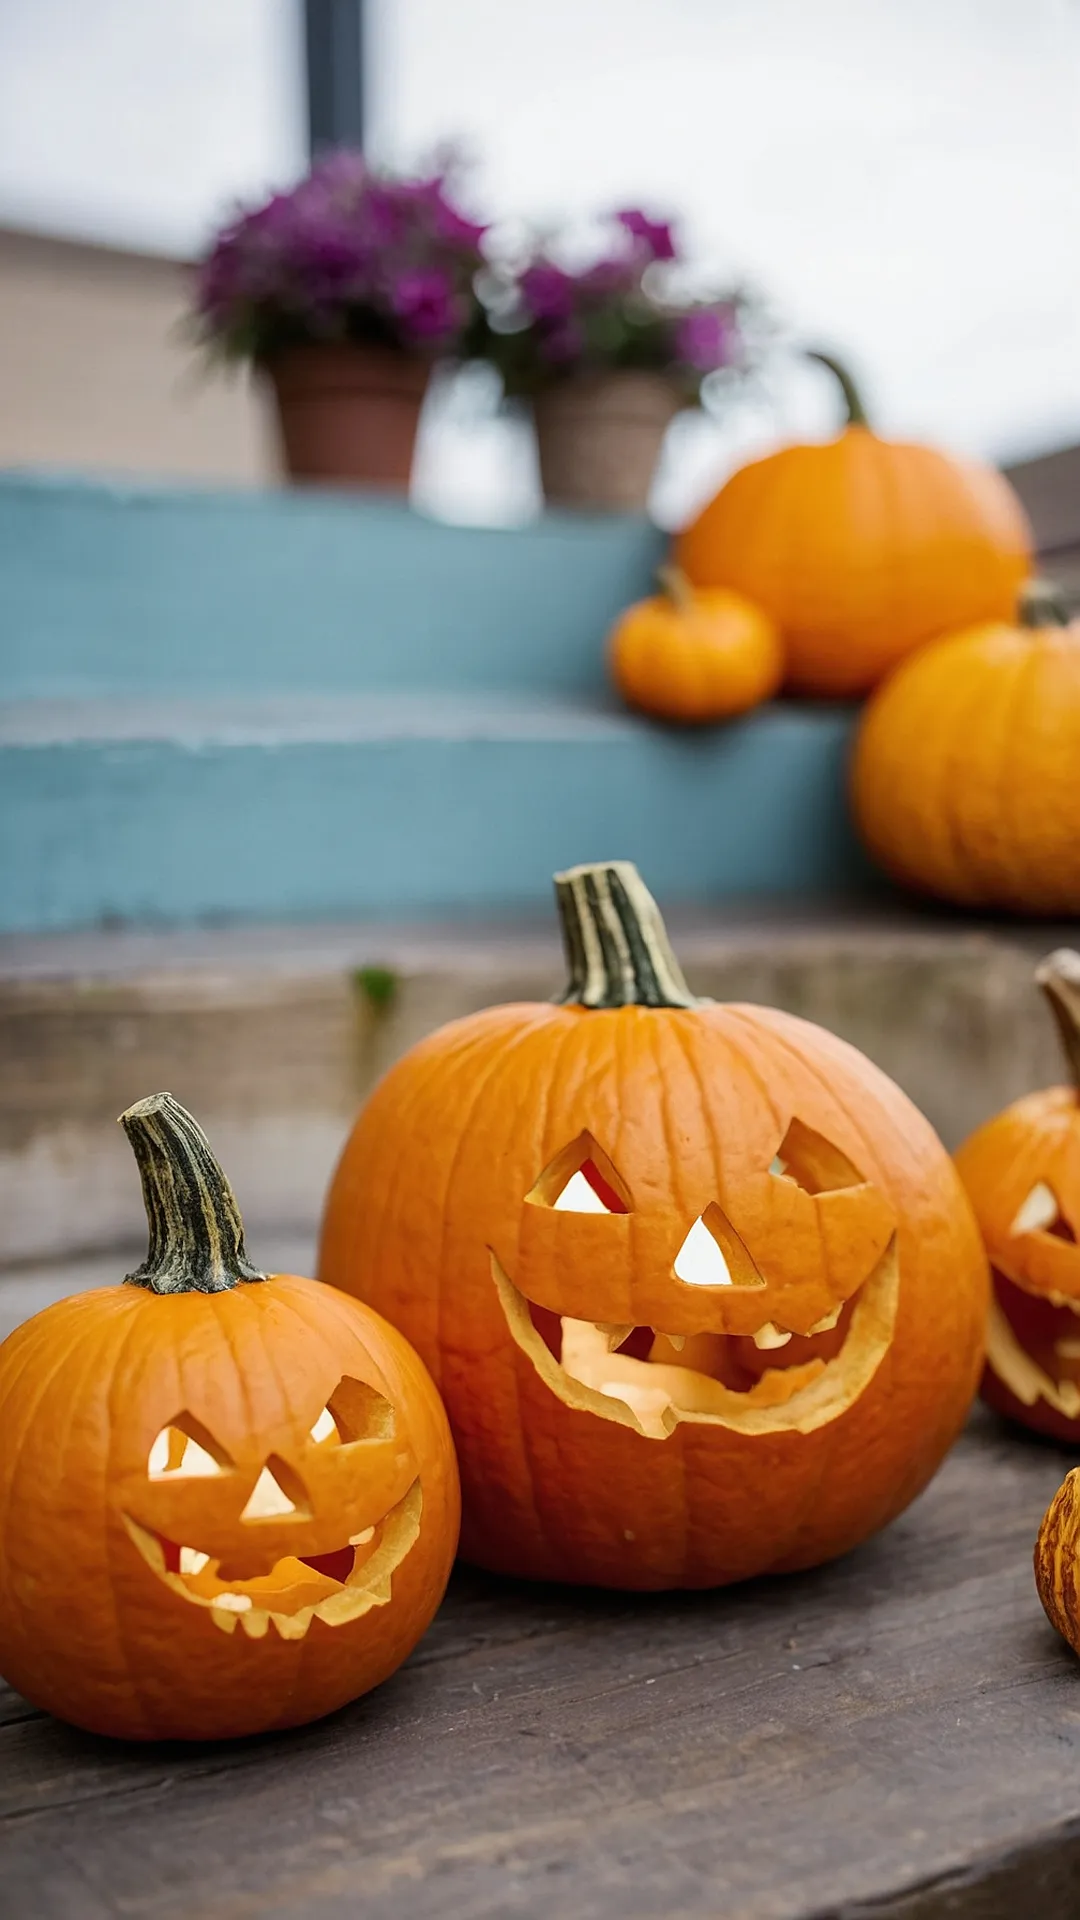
{"x": 599, "y": 438}
{"x": 348, "y": 414}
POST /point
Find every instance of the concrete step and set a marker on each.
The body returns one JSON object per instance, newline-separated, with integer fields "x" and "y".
{"x": 306, "y": 805}
{"x": 137, "y": 590}
{"x": 26, "y": 1290}
{"x": 273, "y": 1035}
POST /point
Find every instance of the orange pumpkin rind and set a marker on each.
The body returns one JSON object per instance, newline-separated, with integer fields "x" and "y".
{"x": 244, "y": 1482}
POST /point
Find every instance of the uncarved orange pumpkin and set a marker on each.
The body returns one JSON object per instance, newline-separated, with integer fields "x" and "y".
{"x": 695, "y": 656}
{"x": 861, "y": 549}
{"x": 1022, "y": 1174}
{"x": 229, "y": 1501}
{"x": 966, "y": 776}
{"x": 701, "y": 1288}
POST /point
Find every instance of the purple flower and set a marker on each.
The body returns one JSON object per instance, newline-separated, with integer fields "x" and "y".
{"x": 562, "y": 343}
{"x": 346, "y": 252}
{"x": 654, "y": 236}
{"x": 424, "y": 303}
{"x": 547, "y": 291}
{"x": 453, "y": 226}
{"x": 707, "y": 338}
{"x": 610, "y": 278}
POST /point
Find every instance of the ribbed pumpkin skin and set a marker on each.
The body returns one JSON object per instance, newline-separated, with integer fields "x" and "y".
{"x": 87, "y": 1629}
{"x": 965, "y": 781}
{"x": 689, "y": 1104}
{"x": 713, "y": 658}
{"x": 860, "y": 550}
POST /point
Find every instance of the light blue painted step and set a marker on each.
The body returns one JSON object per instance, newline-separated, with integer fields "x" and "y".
{"x": 307, "y": 806}
{"x": 140, "y": 590}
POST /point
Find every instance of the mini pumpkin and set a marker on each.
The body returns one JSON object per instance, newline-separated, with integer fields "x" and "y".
{"x": 230, "y": 1500}
{"x": 1022, "y": 1174}
{"x": 964, "y": 780}
{"x": 861, "y": 549}
{"x": 695, "y": 656}
{"x": 1057, "y": 1560}
{"x": 700, "y": 1286}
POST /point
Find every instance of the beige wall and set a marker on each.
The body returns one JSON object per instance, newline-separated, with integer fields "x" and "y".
{"x": 94, "y": 373}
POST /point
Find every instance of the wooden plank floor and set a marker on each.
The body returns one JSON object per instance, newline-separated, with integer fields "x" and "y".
{"x": 896, "y": 1734}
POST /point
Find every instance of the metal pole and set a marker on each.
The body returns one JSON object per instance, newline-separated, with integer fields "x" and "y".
{"x": 334, "y": 45}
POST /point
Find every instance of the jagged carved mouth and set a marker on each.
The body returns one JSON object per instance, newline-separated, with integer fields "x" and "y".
{"x": 768, "y": 1382}
{"x": 1033, "y": 1346}
{"x": 335, "y": 1587}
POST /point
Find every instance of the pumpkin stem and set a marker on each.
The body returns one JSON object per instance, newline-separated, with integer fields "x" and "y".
{"x": 856, "y": 412}
{"x": 1042, "y": 604}
{"x": 196, "y": 1233}
{"x": 616, "y": 944}
{"x": 675, "y": 587}
{"x": 1059, "y": 977}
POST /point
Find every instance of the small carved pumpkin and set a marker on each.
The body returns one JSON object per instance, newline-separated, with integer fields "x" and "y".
{"x": 861, "y": 549}
{"x": 1022, "y": 1174}
{"x": 700, "y": 1286}
{"x": 695, "y": 656}
{"x": 964, "y": 781}
{"x": 230, "y": 1501}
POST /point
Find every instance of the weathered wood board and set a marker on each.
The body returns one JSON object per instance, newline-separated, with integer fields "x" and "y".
{"x": 898, "y": 1733}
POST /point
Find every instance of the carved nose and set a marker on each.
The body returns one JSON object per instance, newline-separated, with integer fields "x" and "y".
{"x": 713, "y": 1255}
{"x": 277, "y": 1494}
{"x": 700, "y": 1260}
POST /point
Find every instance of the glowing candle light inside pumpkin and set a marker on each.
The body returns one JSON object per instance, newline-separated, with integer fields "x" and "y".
{"x": 324, "y": 1426}
{"x": 699, "y": 1260}
{"x": 578, "y": 1197}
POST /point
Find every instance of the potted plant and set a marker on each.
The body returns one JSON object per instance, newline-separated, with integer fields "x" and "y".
{"x": 607, "y": 354}
{"x": 343, "y": 292}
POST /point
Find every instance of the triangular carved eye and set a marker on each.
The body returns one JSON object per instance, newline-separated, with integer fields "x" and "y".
{"x": 1041, "y": 1213}
{"x": 581, "y": 1179}
{"x": 814, "y": 1163}
{"x": 185, "y": 1450}
{"x": 355, "y": 1411}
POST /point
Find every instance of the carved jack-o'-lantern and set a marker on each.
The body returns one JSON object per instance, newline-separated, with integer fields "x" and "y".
{"x": 230, "y": 1500}
{"x": 700, "y": 1286}
{"x": 1022, "y": 1172}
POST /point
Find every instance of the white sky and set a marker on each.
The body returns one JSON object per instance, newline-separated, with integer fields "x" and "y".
{"x": 901, "y": 176}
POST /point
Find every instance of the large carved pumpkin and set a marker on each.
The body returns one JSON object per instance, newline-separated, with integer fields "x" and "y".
{"x": 1022, "y": 1173}
{"x": 965, "y": 776}
{"x": 861, "y": 549}
{"x": 700, "y": 1286}
{"x": 229, "y": 1501}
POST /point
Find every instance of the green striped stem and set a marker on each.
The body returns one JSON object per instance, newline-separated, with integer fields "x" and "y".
{"x": 1059, "y": 977}
{"x": 196, "y": 1233}
{"x": 617, "y": 947}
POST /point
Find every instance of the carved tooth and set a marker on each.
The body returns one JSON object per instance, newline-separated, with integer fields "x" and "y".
{"x": 770, "y": 1336}
{"x": 828, "y": 1323}
{"x": 676, "y": 1340}
{"x": 192, "y": 1561}
{"x": 233, "y": 1602}
{"x": 293, "y": 1626}
{"x": 255, "y": 1623}
{"x": 1067, "y": 1349}
{"x": 613, "y": 1336}
{"x": 222, "y": 1618}
{"x": 361, "y": 1539}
